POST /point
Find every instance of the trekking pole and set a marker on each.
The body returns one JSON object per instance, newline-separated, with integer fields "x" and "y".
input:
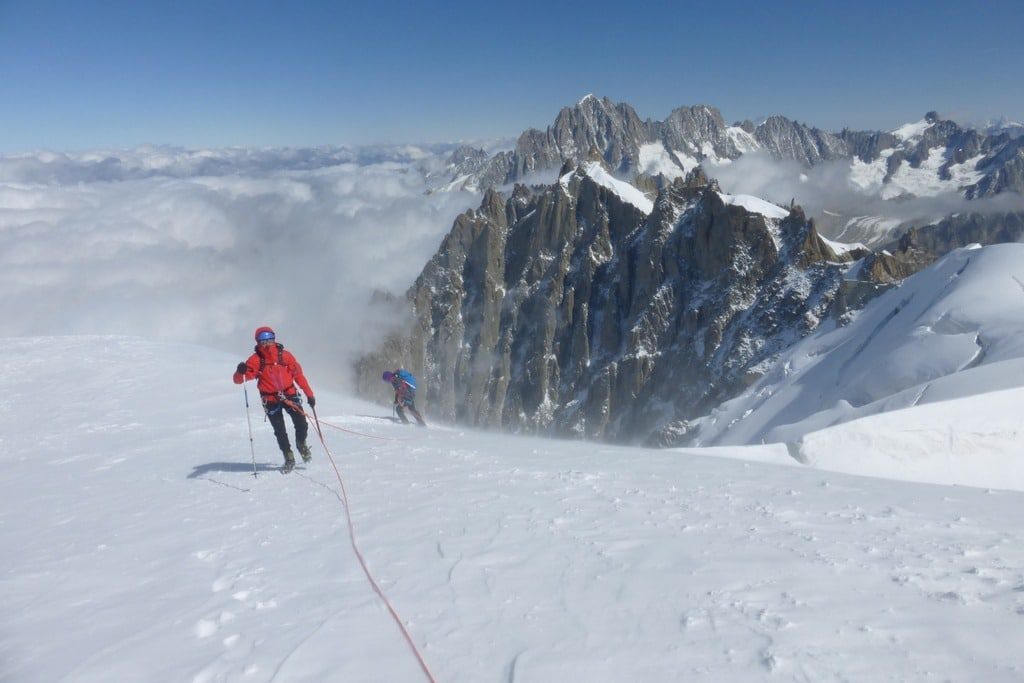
{"x": 252, "y": 444}
{"x": 316, "y": 421}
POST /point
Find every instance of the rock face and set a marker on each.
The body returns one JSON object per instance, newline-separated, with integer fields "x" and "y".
{"x": 922, "y": 245}
{"x": 570, "y": 310}
{"x": 1004, "y": 170}
{"x": 700, "y": 132}
{"x": 785, "y": 139}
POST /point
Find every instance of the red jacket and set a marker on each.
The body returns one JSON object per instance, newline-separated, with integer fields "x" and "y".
{"x": 281, "y": 372}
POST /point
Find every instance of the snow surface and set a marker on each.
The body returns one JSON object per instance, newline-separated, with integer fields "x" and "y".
{"x": 923, "y": 181}
{"x": 755, "y": 205}
{"x": 840, "y": 248}
{"x": 954, "y": 330}
{"x": 744, "y": 141}
{"x": 966, "y": 173}
{"x": 655, "y": 159}
{"x": 869, "y": 177}
{"x": 688, "y": 162}
{"x": 624, "y": 190}
{"x": 140, "y": 547}
{"x": 874, "y": 227}
{"x": 974, "y": 441}
{"x": 911, "y": 132}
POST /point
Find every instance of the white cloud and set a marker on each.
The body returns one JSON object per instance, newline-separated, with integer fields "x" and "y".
{"x": 832, "y": 188}
{"x": 207, "y": 245}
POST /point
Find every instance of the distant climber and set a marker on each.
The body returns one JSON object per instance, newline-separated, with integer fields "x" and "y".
{"x": 277, "y": 373}
{"x": 405, "y": 394}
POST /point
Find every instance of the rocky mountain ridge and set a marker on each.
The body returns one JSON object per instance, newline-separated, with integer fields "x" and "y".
{"x": 570, "y": 309}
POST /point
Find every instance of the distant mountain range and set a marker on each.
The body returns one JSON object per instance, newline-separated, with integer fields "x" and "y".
{"x": 933, "y": 157}
{"x": 930, "y": 156}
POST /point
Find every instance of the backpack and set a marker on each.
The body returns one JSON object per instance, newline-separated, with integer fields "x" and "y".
{"x": 407, "y": 377}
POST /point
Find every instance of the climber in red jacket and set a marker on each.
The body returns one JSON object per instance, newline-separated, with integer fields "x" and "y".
{"x": 277, "y": 373}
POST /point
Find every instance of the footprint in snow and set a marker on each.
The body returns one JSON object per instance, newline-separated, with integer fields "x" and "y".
{"x": 205, "y": 628}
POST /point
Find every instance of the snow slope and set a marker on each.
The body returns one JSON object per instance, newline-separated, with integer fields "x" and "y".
{"x": 953, "y": 330}
{"x": 625, "y": 191}
{"x": 140, "y": 547}
{"x": 975, "y": 441}
{"x": 755, "y": 205}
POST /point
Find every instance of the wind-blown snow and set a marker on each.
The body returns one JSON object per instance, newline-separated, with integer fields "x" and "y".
{"x": 953, "y": 330}
{"x": 139, "y": 547}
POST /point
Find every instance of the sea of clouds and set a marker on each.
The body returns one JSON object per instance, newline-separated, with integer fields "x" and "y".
{"x": 204, "y": 246}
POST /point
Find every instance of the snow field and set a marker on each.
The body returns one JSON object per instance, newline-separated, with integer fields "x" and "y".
{"x": 146, "y": 550}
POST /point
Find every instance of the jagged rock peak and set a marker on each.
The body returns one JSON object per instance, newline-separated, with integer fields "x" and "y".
{"x": 492, "y": 202}
{"x": 465, "y": 153}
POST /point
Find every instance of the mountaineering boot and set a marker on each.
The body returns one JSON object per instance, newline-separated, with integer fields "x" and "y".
{"x": 289, "y": 462}
{"x": 304, "y": 451}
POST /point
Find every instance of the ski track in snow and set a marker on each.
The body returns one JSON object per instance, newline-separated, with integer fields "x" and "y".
{"x": 146, "y": 549}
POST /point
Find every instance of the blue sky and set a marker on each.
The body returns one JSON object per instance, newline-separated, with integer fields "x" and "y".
{"x": 77, "y": 75}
